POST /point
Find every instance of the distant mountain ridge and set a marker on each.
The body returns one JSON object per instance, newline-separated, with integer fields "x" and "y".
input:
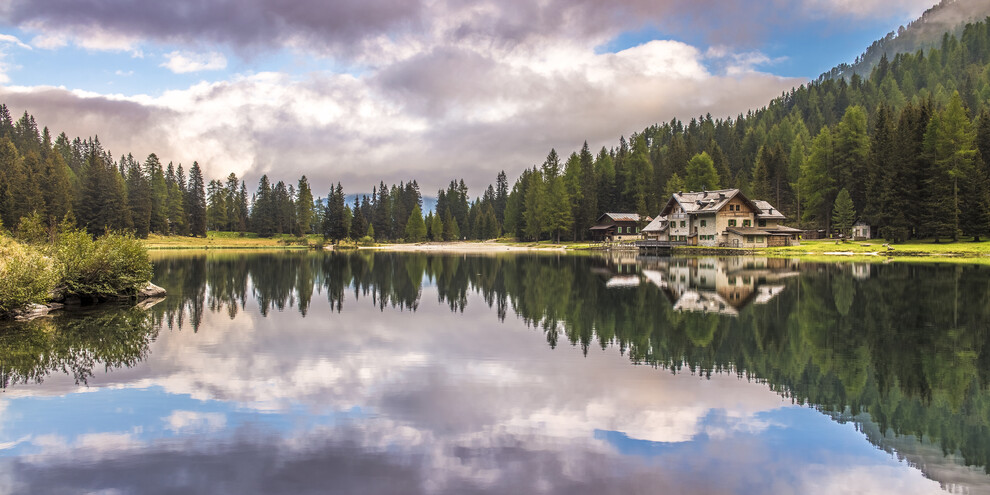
{"x": 948, "y": 17}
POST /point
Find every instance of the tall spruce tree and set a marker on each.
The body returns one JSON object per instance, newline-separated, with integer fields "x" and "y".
{"x": 196, "y": 202}
{"x": 843, "y": 212}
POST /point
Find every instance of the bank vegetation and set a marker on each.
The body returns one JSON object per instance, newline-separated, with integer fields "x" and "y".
{"x": 42, "y": 264}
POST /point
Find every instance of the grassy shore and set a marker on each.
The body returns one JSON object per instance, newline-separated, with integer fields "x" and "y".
{"x": 809, "y": 249}
{"x": 965, "y": 248}
{"x": 231, "y": 240}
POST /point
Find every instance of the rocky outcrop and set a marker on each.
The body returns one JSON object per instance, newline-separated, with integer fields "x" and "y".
{"x": 146, "y": 297}
{"x": 151, "y": 290}
{"x": 36, "y": 311}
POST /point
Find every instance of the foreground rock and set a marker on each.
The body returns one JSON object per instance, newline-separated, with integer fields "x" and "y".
{"x": 146, "y": 297}
{"x": 151, "y": 290}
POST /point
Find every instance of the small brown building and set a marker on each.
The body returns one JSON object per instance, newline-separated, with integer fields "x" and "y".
{"x": 617, "y": 227}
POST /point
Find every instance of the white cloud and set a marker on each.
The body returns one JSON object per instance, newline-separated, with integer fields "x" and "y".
{"x": 90, "y": 37}
{"x": 408, "y": 118}
{"x": 196, "y": 422}
{"x": 9, "y": 38}
{"x": 123, "y": 73}
{"x": 185, "y": 62}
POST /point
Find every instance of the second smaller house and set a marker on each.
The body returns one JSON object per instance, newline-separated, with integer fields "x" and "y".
{"x": 657, "y": 229}
{"x": 861, "y": 231}
{"x": 617, "y": 227}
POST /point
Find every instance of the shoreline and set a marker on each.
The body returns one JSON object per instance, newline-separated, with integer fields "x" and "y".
{"x": 465, "y": 247}
{"x": 820, "y": 250}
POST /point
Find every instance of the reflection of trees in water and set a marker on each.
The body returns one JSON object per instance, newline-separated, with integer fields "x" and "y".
{"x": 73, "y": 344}
{"x": 906, "y": 343}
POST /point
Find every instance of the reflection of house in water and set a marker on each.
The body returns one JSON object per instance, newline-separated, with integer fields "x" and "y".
{"x": 718, "y": 285}
{"x": 619, "y": 270}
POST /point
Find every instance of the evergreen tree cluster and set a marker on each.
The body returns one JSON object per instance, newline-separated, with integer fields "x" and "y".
{"x": 79, "y": 180}
{"x": 910, "y": 144}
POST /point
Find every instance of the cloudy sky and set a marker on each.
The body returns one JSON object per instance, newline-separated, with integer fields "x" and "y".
{"x": 359, "y": 91}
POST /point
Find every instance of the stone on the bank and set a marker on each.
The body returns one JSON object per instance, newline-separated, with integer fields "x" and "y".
{"x": 150, "y": 291}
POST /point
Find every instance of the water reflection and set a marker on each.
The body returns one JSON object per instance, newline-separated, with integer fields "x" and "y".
{"x": 329, "y": 368}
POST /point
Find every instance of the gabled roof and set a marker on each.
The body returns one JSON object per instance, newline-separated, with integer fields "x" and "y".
{"x": 766, "y": 211}
{"x": 706, "y": 202}
{"x": 621, "y": 217}
{"x": 659, "y": 224}
{"x": 696, "y": 203}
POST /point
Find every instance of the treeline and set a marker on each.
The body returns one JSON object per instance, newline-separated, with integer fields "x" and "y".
{"x": 910, "y": 144}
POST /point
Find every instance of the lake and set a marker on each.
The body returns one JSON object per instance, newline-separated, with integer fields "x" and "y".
{"x": 390, "y": 373}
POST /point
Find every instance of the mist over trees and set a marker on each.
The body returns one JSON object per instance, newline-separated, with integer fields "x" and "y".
{"x": 910, "y": 144}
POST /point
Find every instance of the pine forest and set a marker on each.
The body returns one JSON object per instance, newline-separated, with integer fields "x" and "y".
{"x": 910, "y": 145}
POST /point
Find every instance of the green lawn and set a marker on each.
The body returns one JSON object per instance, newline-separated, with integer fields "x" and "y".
{"x": 965, "y": 248}
{"x": 229, "y": 240}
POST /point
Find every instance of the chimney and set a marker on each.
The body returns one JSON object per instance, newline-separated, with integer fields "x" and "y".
{"x": 721, "y": 195}
{"x": 704, "y": 193}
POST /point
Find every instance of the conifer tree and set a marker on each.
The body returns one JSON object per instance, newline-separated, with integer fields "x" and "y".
{"x": 852, "y": 148}
{"x": 304, "y": 206}
{"x": 195, "y": 203}
{"x": 436, "y": 228}
{"x": 701, "y": 173}
{"x": 501, "y": 196}
{"x": 263, "y": 209}
{"x": 139, "y": 199}
{"x": 817, "y": 184}
{"x": 843, "y": 213}
{"x": 415, "y": 227}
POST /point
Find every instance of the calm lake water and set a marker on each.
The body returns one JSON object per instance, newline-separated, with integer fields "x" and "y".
{"x": 408, "y": 373}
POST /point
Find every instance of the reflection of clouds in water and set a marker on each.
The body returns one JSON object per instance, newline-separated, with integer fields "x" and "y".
{"x": 193, "y": 422}
{"x": 382, "y": 456}
{"x": 826, "y": 480}
{"x": 417, "y": 368}
{"x": 482, "y": 406}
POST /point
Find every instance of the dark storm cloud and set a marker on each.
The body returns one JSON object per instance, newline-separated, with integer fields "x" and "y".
{"x": 341, "y": 26}
{"x": 243, "y": 24}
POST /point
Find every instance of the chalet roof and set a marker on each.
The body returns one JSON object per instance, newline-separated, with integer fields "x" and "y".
{"x": 707, "y": 202}
{"x": 659, "y": 224}
{"x": 781, "y": 229}
{"x": 621, "y": 217}
{"x": 702, "y": 202}
{"x": 766, "y": 211}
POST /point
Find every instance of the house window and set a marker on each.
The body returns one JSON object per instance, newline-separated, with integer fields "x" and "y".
{"x": 683, "y": 224}
{"x": 704, "y": 223}
{"x": 749, "y": 239}
{"x": 635, "y": 230}
{"x": 762, "y": 223}
{"x": 747, "y": 223}
{"x": 732, "y": 223}
{"x": 759, "y": 239}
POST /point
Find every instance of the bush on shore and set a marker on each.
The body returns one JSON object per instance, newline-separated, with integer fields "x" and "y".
{"x": 53, "y": 263}
{"x": 26, "y": 276}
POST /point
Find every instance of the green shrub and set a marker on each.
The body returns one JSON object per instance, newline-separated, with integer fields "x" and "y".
{"x": 26, "y": 276}
{"x": 112, "y": 264}
{"x": 366, "y": 241}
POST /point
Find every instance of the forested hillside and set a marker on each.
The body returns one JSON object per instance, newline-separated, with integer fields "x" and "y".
{"x": 949, "y": 16}
{"x": 908, "y": 144}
